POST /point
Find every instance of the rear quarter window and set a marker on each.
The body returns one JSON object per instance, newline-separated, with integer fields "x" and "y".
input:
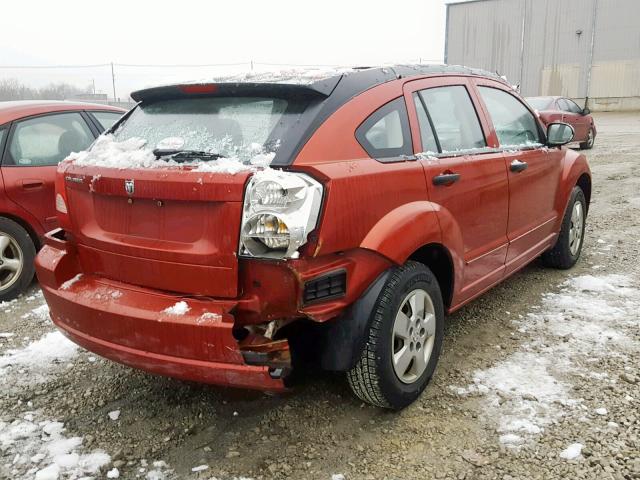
{"x": 106, "y": 119}
{"x": 385, "y": 133}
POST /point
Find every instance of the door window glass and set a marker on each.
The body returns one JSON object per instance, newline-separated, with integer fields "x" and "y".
{"x": 513, "y": 122}
{"x": 385, "y": 134}
{"x": 49, "y": 139}
{"x": 564, "y": 105}
{"x": 106, "y": 119}
{"x": 454, "y": 118}
{"x": 573, "y": 106}
{"x": 426, "y": 132}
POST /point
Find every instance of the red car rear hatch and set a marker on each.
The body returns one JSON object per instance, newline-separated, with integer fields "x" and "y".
{"x": 172, "y": 229}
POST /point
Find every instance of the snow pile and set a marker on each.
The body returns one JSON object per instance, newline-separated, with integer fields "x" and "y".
{"x": 134, "y": 153}
{"x": 180, "y": 308}
{"x": 41, "y": 450}
{"x": 37, "y": 358}
{"x": 41, "y": 312}
{"x": 572, "y": 452}
{"x": 209, "y": 317}
{"x": 590, "y": 318}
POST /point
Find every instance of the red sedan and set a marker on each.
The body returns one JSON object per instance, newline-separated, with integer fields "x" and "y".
{"x": 561, "y": 109}
{"x": 34, "y": 137}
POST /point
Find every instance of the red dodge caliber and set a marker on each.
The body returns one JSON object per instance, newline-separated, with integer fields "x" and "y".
{"x": 230, "y": 232}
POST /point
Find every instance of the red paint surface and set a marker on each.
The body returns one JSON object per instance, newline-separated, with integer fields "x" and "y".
{"x": 177, "y": 239}
{"x": 28, "y": 191}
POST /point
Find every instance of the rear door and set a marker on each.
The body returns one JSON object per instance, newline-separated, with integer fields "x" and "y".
{"x": 464, "y": 175}
{"x": 533, "y": 172}
{"x": 35, "y": 146}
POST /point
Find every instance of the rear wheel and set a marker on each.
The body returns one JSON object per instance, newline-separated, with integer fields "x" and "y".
{"x": 17, "y": 253}
{"x": 591, "y": 138}
{"x": 567, "y": 249}
{"x": 404, "y": 339}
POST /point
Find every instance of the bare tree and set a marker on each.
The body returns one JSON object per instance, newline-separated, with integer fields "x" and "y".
{"x": 12, "y": 89}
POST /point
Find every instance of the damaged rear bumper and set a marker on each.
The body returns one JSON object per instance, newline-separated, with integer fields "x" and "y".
{"x": 138, "y": 326}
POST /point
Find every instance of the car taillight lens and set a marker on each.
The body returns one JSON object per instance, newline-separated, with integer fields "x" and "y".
{"x": 280, "y": 209}
{"x": 62, "y": 205}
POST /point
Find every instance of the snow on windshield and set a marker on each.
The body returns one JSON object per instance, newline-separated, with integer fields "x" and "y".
{"x": 134, "y": 153}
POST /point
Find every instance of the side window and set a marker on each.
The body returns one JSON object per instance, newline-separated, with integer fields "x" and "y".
{"x": 2, "y": 134}
{"x": 573, "y": 106}
{"x": 385, "y": 134}
{"x": 106, "y": 119}
{"x": 47, "y": 140}
{"x": 454, "y": 118}
{"x": 514, "y": 123}
{"x": 429, "y": 143}
{"x": 564, "y": 105}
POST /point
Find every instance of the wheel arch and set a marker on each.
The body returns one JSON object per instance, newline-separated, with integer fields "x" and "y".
{"x": 437, "y": 258}
{"x": 584, "y": 182}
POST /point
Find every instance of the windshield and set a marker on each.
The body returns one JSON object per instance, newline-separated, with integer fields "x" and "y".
{"x": 540, "y": 103}
{"x": 234, "y": 127}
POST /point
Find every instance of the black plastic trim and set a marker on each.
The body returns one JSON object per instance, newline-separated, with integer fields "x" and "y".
{"x": 344, "y": 337}
{"x": 340, "y": 275}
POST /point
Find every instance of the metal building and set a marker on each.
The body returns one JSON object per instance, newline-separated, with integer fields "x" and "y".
{"x": 575, "y": 48}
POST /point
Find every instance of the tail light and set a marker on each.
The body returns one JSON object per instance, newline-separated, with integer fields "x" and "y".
{"x": 62, "y": 204}
{"x": 280, "y": 209}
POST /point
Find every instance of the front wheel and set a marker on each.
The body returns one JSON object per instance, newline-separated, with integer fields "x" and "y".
{"x": 588, "y": 144}
{"x": 17, "y": 253}
{"x": 566, "y": 251}
{"x": 403, "y": 341}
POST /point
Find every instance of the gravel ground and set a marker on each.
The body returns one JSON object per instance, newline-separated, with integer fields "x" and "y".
{"x": 539, "y": 379}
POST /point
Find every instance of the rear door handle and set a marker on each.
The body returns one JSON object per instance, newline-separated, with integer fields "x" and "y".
{"x": 518, "y": 166}
{"x": 446, "y": 178}
{"x": 32, "y": 184}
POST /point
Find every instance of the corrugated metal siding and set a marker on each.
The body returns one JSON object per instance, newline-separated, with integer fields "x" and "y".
{"x": 554, "y": 58}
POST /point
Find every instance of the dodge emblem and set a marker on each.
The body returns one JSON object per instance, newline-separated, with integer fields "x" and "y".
{"x": 129, "y": 187}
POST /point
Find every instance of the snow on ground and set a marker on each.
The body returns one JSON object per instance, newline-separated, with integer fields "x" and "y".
{"x": 589, "y": 318}
{"x": 32, "y": 363}
{"x": 44, "y": 450}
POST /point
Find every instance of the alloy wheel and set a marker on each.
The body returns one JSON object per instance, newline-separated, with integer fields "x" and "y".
{"x": 11, "y": 261}
{"x": 576, "y": 228}
{"x": 413, "y": 336}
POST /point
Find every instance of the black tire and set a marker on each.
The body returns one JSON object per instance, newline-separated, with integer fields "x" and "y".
{"x": 560, "y": 256}
{"x": 588, "y": 145}
{"x": 20, "y": 248}
{"x": 373, "y": 378}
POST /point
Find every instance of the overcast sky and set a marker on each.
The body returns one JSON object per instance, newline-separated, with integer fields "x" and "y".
{"x": 73, "y": 32}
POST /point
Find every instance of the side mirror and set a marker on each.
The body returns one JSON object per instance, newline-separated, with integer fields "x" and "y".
{"x": 586, "y": 111}
{"x": 559, "y": 133}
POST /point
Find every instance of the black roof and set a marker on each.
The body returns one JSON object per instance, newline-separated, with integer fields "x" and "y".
{"x": 344, "y": 82}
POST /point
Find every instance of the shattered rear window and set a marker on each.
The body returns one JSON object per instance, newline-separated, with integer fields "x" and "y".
{"x": 234, "y": 127}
